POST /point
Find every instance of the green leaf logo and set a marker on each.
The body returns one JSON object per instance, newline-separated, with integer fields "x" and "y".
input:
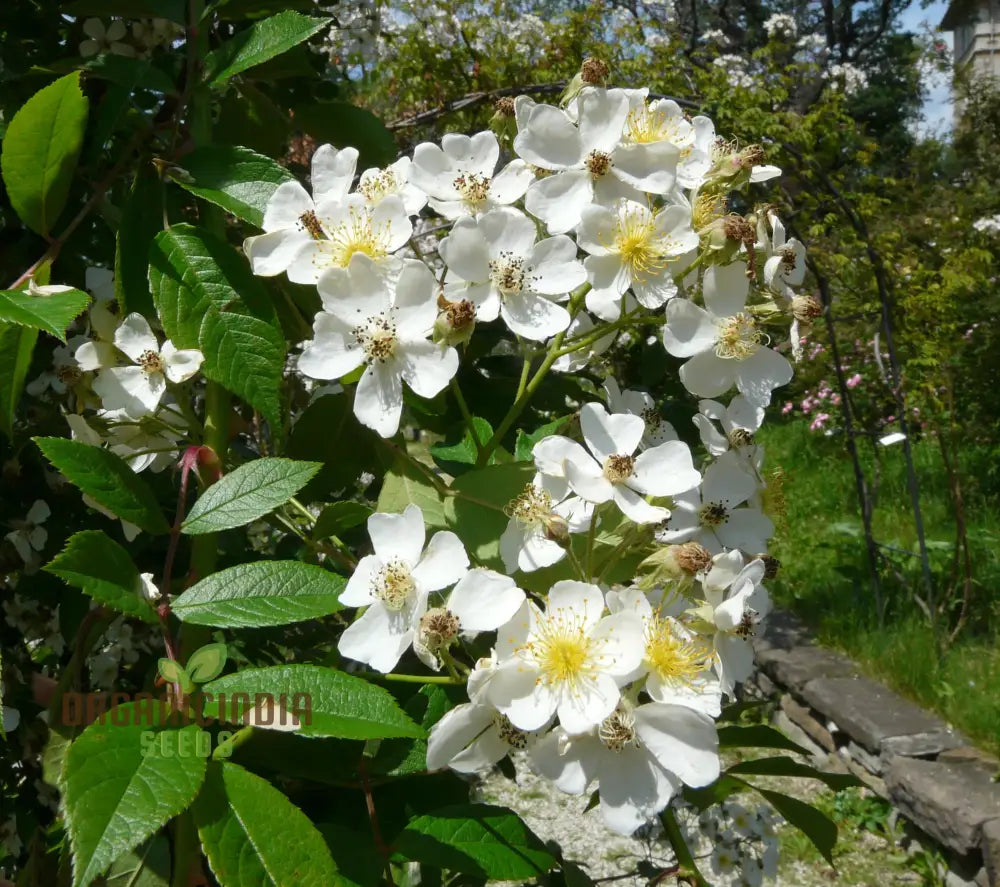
{"x": 206, "y": 663}
{"x": 173, "y": 673}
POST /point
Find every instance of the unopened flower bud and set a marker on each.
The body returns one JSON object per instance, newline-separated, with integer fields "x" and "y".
{"x": 556, "y": 529}
{"x": 806, "y": 309}
{"x": 438, "y": 628}
{"x": 502, "y": 122}
{"x": 594, "y": 72}
{"x": 692, "y": 557}
{"x": 455, "y": 323}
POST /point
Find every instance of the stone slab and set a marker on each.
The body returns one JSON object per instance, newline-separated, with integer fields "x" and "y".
{"x": 990, "y": 845}
{"x": 923, "y": 745}
{"x": 802, "y": 717}
{"x": 969, "y": 754}
{"x": 872, "y": 763}
{"x": 868, "y": 712}
{"x": 794, "y": 732}
{"x": 949, "y": 801}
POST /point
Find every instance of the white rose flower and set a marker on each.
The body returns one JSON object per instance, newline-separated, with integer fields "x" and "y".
{"x": 394, "y": 180}
{"x": 367, "y": 320}
{"x": 28, "y": 535}
{"x": 639, "y": 403}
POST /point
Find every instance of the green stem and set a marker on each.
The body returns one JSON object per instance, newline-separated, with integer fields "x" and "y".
{"x": 466, "y": 414}
{"x": 238, "y": 738}
{"x": 525, "y": 373}
{"x": 591, "y": 535}
{"x": 685, "y": 860}
{"x": 419, "y": 678}
{"x": 619, "y": 548}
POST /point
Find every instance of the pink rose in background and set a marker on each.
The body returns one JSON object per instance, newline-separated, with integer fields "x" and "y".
{"x": 854, "y": 381}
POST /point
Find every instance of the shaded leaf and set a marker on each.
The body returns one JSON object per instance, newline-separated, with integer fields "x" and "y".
{"x": 50, "y": 313}
{"x": 784, "y": 766}
{"x": 347, "y": 126}
{"x": 756, "y": 736}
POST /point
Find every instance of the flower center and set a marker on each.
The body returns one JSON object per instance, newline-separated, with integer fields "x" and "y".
{"x": 472, "y": 187}
{"x": 617, "y": 731}
{"x": 738, "y": 337}
{"x": 311, "y": 223}
{"x": 438, "y": 627}
{"x": 740, "y": 437}
{"x": 673, "y": 659}
{"x": 358, "y": 233}
{"x": 531, "y": 508}
{"x": 376, "y": 184}
{"x": 713, "y": 514}
{"x": 69, "y": 375}
{"x": 561, "y": 650}
{"x": 510, "y": 734}
{"x": 377, "y": 337}
{"x": 748, "y": 624}
{"x": 651, "y": 416}
{"x": 460, "y": 314}
{"x": 150, "y": 362}
{"x": 619, "y": 468}
{"x": 598, "y": 163}
{"x": 507, "y": 273}
{"x": 642, "y": 252}
{"x": 394, "y": 585}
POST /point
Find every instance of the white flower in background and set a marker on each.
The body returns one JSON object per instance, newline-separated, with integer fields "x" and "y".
{"x": 98, "y": 352}
{"x": 988, "y": 225}
{"x": 101, "y": 39}
{"x": 848, "y": 77}
{"x": 737, "y": 72}
{"x": 633, "y": 248}
{"x": 138, "y": 389}
{"x": 711, "y": 514}
{"x": 65, "y": 372}
{"x": 496, "y": 264}
{"x": 572, "y": 361}
{"x": 483, "y": 600}
{"x": 569, "y": 659}
{"x": 587, "y": 158}
{"x": 733, "y": 427}
{"x": 723, "y": 343}
{"x": 394, "y": 584}
{"x": 638, "y": 756}
{"x": 292, "y": 217}
{"x": 386, "y": 327}
{"x": 662, "y": 120}
{"x": 735, "y": 604}
{"x": 541, "y": 518}
{"x": 460, "y": 176}
{"x": 393, "y": 181}
{"x": 785, "y": 268}
{"x": 349, "y": 228}
{"x": 781, "y": 25}
{"x": 100, "y": 283}
{"x": 608, "y": 469}
{"x": 639, "y": 403}
{"x": 151, "y": 441}
{"x": 148, "y": 590}
{"x": 28, "y": 535}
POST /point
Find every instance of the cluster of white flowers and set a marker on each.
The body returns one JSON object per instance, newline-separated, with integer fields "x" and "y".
{"x": 782, "y": 26}
{"x": 123, "y": 642}
{"x": 988, "y": 225}
{"x": 850, "y": 78}
{"x": 35, "y": 622}
{"x": 740, "y": 843}
{"x": 116, "y": 37}
{"x": 737, "y": 70}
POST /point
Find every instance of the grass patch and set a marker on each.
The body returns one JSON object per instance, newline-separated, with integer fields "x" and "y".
{"x": 825, "y": 576}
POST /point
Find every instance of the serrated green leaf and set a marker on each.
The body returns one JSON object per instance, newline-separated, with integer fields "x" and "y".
{"x": 476, "y": 513}
{"x": 249, "y": 492}
{"x": 465, "y": 451}
{"x": 239, "y": 180}
{"x": 206, "y": 663}
{"x": 756, "y": 736}
{"x": 142, "y": 220}
{"x": 107, "y": 479}
{"x": 476, "y": 839}
{"x": 49, "y": 313}
{"x": 340, "y": 516}
{"x": 785, "y": 766}
{"x": 260, "y": 594}
{"x": 347, "y": 126}
{"x": 524, "y": 448}
{"x": 174, "y": 673}
{"x": 342, "y": 706}
{"x": 403, "y": 485}
{"x": 207, "y": 298}
{"x": 813, "y": 823}
{"x": 17, "y": 344}
{"x": 253, "y": 835}
{"x": 119, "y": 788}
{"x": 97, "y": 565}
{"x": 263, "y": 40}
{"x": 400, "y": 757}
{"x": 40, "y": 150}
{"x": 146, "y": 866}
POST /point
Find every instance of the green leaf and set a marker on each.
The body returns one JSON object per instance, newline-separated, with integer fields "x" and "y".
{"x": 785, "y": 766}
{"x": 475, "y": 839}
{"x": 206, "y": 663}
{"x": 107, "y": 479}
{"x": 40, "y": 150}
{"x": 713, "y": 794}
{"x": 249, "y": 492}
{"x": 358, "y": 861}
{"x": 347, "y": 126}
{"x": 146, "y": 866}
{"x": 476, "y": 513}
{"x": 207, "y": 298}
{"x": 400, "y": 757}
{"x": 814, "y": 824}
{"x": 130, "y": 72}
{"x": 756, "y": 736}
{"x": 239, "y": 180}
{"x": 259, "y": 594}
{"x": 340, "y": 516}
{"x": 253, "y": 835}
{"x": 50, "y": 313}
{"x": 101, "y": 568}
{"x": 142, "y": 220}
{"x": 524, "y": 448}
{"x": 341, "y": 706}
{"x": 17, "y": 344}
{"x": 405, "y": 484}
{"x": 124, "y": 783}
{"x": 464, "y": 452}
{"x": 261, "y": 41}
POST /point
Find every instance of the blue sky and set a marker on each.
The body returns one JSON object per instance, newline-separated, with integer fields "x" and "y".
{"x": 937, "y": 106}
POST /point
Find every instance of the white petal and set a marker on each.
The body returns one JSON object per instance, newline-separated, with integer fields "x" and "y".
{"x": 332, "y": 172}
{"x": 554, "y": 268}
{"x": 130, "y": 389}
{"x": 415, "y": 301}
{"x": 633, "y": 790}
{"x": 707, "y": 375}
{"x": 428, "y": 367}
{"x": 566, "y": 766}
{"x": 683, "y": 741}
{"x": 465, "y": 251}
{"x": 359, "y": 591}
{"x": 355, "y": 293}
{"x": 689, "y": 329}
{"x": 379, "y": 638}
{"x": 559, "y": 199}
{"x": 579, "y": 602}
{"x": 272, "y": 253}
{"x": 398, "y": 535}
{"x": 610, "y": 434}
{"x": 588, "y": 480}
{"x": 443, "y": 563}
{"x": 602, "y": 118}
{"x": 764, "y": 172}
{"x": 286, "y": 206}
{"x": 589, "y": 703}
{"x": 665, "y": 470}
{"x": 550, "y": 140}
{"x": 378, "y": 400}
{"x": 449, "y": 736}
{"x": 748, "y": 529}
{"x": 94, "y": 356}
{"x": 135, "y": 338}
{"x": 637, "y": 509}
{"x": 551, "y": 453}
{"x": 648, "y": 167}
{"x": 510, "y": 183}
{"x": 39, "y": 512}
{"x": 597, "y": 225}
{"x": 621, "y": 643}
{"x": 179, "y": 365}
{"x": 725, "y": 289}
{"x": 514, "y": 691}
{"x": 484, "y": 600}
{"x": 539, "y": 551}
{"x": 533, "y": 316}
{"x": 761, "y": 373}
{"x": 482, "y": 752}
